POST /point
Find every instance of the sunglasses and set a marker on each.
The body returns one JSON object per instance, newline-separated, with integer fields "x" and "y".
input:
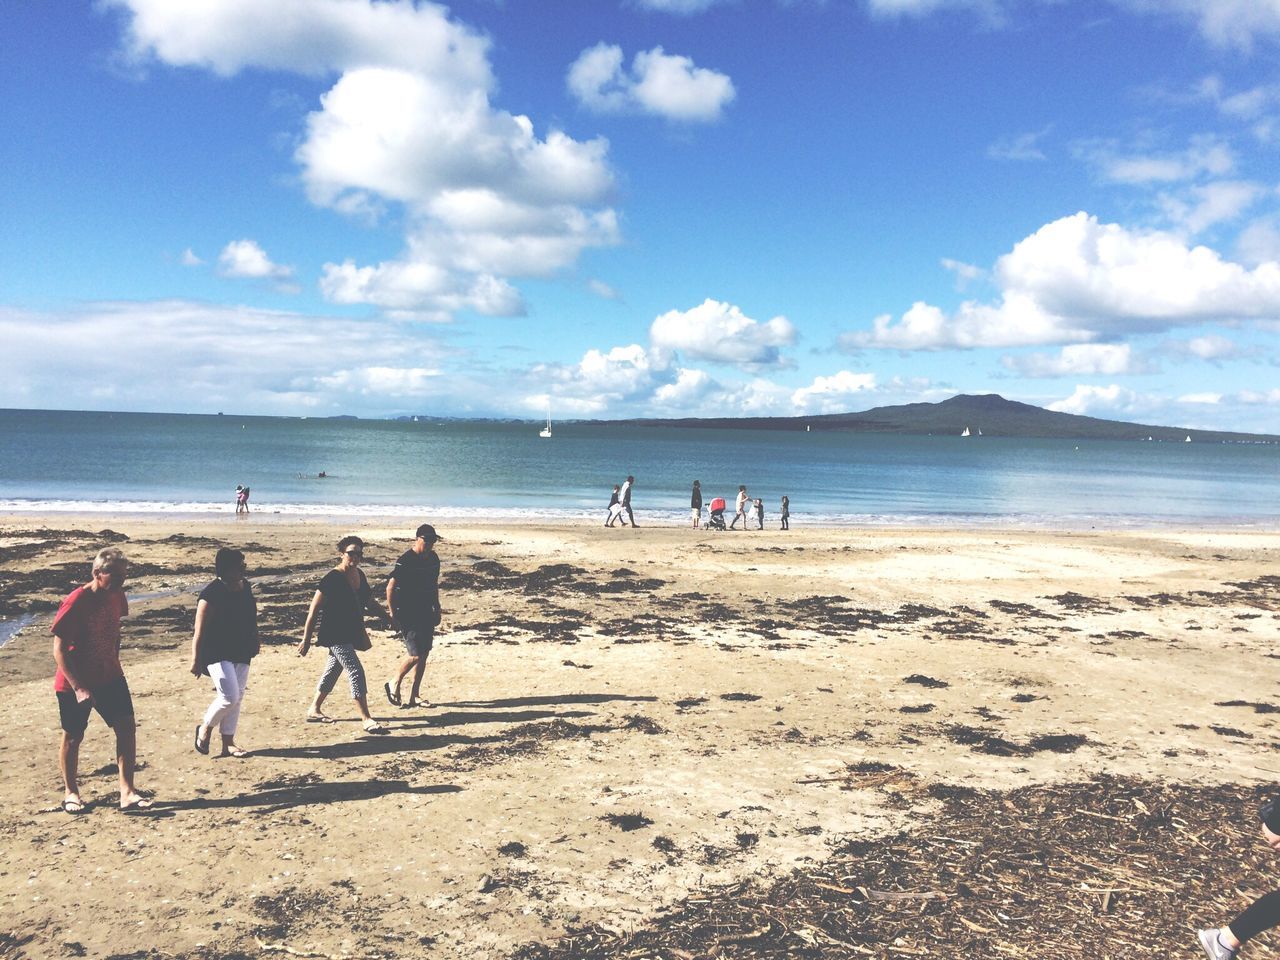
{"x": 354, "y": 553}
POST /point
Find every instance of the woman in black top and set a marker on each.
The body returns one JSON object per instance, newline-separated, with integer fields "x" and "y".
{"x": 343, "y": 596}
{"x": 225, "y": 640}
{"x": 695, "y": 504}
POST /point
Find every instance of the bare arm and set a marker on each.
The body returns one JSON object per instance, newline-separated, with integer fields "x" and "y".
{"x": 317, "y": 604}
{"x": 202, "y": 613}
{"x": 60, "y": 657}
{"x": 391, "y": 609}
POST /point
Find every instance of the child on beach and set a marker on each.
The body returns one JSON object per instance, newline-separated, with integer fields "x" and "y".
{"x": 615, "y": 508}
{"x": 759, "y": 505}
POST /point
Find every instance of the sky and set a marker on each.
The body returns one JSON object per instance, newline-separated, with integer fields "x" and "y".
{"x": 626, "y": 208}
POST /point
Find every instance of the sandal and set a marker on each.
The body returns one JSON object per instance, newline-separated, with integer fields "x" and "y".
{"x": 205, "y": 747}
{"x": 392, "y": 698}
{"x": 139, "y": 806}
{"x": 73, "y": 807}
{"x": 234, "y": 750}
{"x": 318, "y": 718}
{"x": 373, "y": 726}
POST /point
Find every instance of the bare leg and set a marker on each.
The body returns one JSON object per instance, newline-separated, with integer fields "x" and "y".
{"x": 405, "y": 666}
{"x": 420, "y": 667}
{"x": 314, "y": 710}
{"x": 126, "y": 756}
{"x": 69, "y": 760}
{"x": 362, "y": 704}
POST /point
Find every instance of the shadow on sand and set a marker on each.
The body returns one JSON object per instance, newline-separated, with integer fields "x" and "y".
{"x": 283, "y": 798}
{"x": 567, "y": 698}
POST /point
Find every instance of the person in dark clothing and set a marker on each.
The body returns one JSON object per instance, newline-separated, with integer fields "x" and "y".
{"x": 615, "y": 509}
{"x": 224, "y": 641}
{"x": 695, "y": 504}
{"x": 786, "y": 513}
{"x": 626, "y": 498}
{"x": 340, "y": 602}
{"x": 413, "y": 601}
{"x": 759, "y": 505}
{"x": 1224, "y": 943}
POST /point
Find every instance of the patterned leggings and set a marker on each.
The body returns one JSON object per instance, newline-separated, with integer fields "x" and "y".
{"x": 343, "y": 657}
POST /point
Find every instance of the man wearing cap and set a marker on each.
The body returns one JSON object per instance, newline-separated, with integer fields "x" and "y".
{"x": 413, "y": 600}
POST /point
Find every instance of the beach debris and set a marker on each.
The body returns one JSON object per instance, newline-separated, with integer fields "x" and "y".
{"x": 745, "y": 697}
{"x": 929, "y": 682}
{"x": 627, "y": 821}
{"x": 513, "y": 849}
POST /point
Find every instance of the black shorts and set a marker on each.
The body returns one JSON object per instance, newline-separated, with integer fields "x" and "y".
{"x": 112, "y": 701}
{"x": 418, "y": 639}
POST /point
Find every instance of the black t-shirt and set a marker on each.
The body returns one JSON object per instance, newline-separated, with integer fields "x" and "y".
{"x": 416, "y": 596}
{"x": 342, "y": 616}
{"x": 230, "y": 624}
{"x": 695, "y": 501}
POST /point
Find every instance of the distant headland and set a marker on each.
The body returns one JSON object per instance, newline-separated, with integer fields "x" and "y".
{"x": 973, "y": 415}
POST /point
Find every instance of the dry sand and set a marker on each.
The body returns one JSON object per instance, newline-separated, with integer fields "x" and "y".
{"x": 623, "y": 720}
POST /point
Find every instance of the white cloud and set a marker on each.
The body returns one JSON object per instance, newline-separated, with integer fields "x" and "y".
{"x": 965, "y": 273}
{"x": 1260, "y": 397}
{"x": 603, "y": 290}
{"x": 688, "y": 393}
{"x": 1020, "y": 147}
{"x": 678, "y": 6}
{"x": 1205, "y": 155}
{"x": 834, "y": 394}
{"x": 233, "y": 358}
{"x": 1094, "y": 401}
{"x": 408, "y": 121}
{"x": 658, "y": 83}
{"x": 1259, "y": 242}
{"x": 1210, "y": 204}
{"x": 245, "y": 259}
{"x": 722, "y": 333}
{"x": 1206, "y": 399}
{"x": 1227, "y": 23}
{"x": 1077, "y": 280}
{"x": 1081, "y": 359}
{"x": 1212, "y": 347}
{"x": 189, "y": 258}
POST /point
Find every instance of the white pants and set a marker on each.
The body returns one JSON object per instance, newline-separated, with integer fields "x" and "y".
{"x": 229, "y": 681}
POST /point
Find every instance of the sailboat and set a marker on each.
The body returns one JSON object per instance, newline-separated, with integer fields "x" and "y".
{"x": 546, "y": 431}
{"x": 966, "y": 432}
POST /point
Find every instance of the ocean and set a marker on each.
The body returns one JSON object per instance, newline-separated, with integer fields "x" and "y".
{"x": 75, "y": 462}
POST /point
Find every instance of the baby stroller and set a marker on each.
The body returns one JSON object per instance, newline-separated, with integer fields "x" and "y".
{"x": 716, "y": 521}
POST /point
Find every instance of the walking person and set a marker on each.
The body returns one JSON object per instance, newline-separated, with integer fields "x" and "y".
{"x": 759, "y": 505}
{"x": 224, "y": 641}
{"x": 740, "y": 508}
{"x": 626, "y": 498}
{"x": 786, "y": 513}
{"x": 86, "y": 649}
{"x": 615, "y": 508}
{"x": 239, "y": 499}
{"x": 339, "y": 603}
{"x": 695, "y": 504}
{"x": 413, "y": 603}
{"x": 1224, "y": 943}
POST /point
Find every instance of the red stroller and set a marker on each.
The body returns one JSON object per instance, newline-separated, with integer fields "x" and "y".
{"x": 716, "y": 522}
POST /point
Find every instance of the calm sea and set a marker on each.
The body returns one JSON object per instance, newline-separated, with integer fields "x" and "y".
{"x": 185, "y": 464}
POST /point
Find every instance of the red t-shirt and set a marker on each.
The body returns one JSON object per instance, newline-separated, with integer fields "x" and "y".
{"x": 89, "y": 621}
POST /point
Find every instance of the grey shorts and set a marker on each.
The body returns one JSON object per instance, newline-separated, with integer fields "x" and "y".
{"x": 418, "y": 639}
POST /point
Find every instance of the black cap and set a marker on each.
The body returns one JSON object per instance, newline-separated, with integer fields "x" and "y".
{"x": 429, "y": 532}
{"x": 1269, "y": 814}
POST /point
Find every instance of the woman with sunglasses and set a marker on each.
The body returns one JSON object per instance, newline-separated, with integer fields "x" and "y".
{"x": 340, "y": 603}
{"x": 224, "y": 641}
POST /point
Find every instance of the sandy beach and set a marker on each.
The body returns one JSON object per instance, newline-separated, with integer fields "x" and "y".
{"x": 667, "y": 742}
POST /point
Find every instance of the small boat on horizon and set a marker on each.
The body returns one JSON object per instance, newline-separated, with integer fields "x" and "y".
{"x": 965, "y": 433}
{"x": 545, "y": 432}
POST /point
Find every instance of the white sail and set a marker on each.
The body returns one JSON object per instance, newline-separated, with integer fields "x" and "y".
{"x": 966, "y": 432}
{"x": 546, "y": 431}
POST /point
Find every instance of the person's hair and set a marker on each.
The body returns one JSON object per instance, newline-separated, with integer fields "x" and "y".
{"x": 631, "y": 478}
{"x": 227, "y": 561}
{"x": 696, "y": 483}
{"x": 349, "y": 541}
{"x": 742, "y": 486}
{"x": 109, "y": 557}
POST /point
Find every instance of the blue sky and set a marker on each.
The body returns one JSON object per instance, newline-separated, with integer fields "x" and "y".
{"x": 642, "y": 207}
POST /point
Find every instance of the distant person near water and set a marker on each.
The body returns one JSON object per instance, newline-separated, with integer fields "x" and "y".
{"x": 695, "y": 504}
{"x": 1224, "y": 943}
{"x": 224, "y": 641}
{"x": 626, "y": 498}
{"x": 340, "y": 602}
{"x": 86, "y": 649}
{"x": 759, "y": 505}
{"x": 242, "y": 499}
{"x": 413, "y": 603}
{"x": 786, "y": 513}
{"x": 740, "y": 508}
{"x": 615, "y": 508}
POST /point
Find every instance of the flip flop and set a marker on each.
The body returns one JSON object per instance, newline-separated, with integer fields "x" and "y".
{"x": 318, "y": 718}
{"x": 205, "y": 748}
{"x": 373, "y": 726}
{"x": 74, "y": 807}
{"x": 392, "y": 698}
{"x": 234, "y": 751}
{"x": 137, "y": 807}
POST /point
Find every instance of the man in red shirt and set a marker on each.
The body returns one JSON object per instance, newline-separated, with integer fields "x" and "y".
{"x": 86, "y": 649}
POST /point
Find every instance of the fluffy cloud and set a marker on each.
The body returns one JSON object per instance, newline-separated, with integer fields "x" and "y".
{"x": 1205, "y": 155}
{"x": 657, "y": 83}
{"x": 1082, "y": 359}
{"x": 1209, "y": 204}
{"x": 1259, "y": 242}
{"x": 408, "y": 121}
{"x": 1077, "y": 280}
{"x": 1211, "y": 347}
{"x": 722, "y": 333}
{"x": 233, "y": 358}
{"x": 1229, "y": 23}
{"x": 244, "y": 259}
{"x": 837, "y": 393}
{"x": 1093, "y": 401}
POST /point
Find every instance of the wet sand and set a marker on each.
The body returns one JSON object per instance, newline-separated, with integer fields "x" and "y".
{"x": 630, "y": 723}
